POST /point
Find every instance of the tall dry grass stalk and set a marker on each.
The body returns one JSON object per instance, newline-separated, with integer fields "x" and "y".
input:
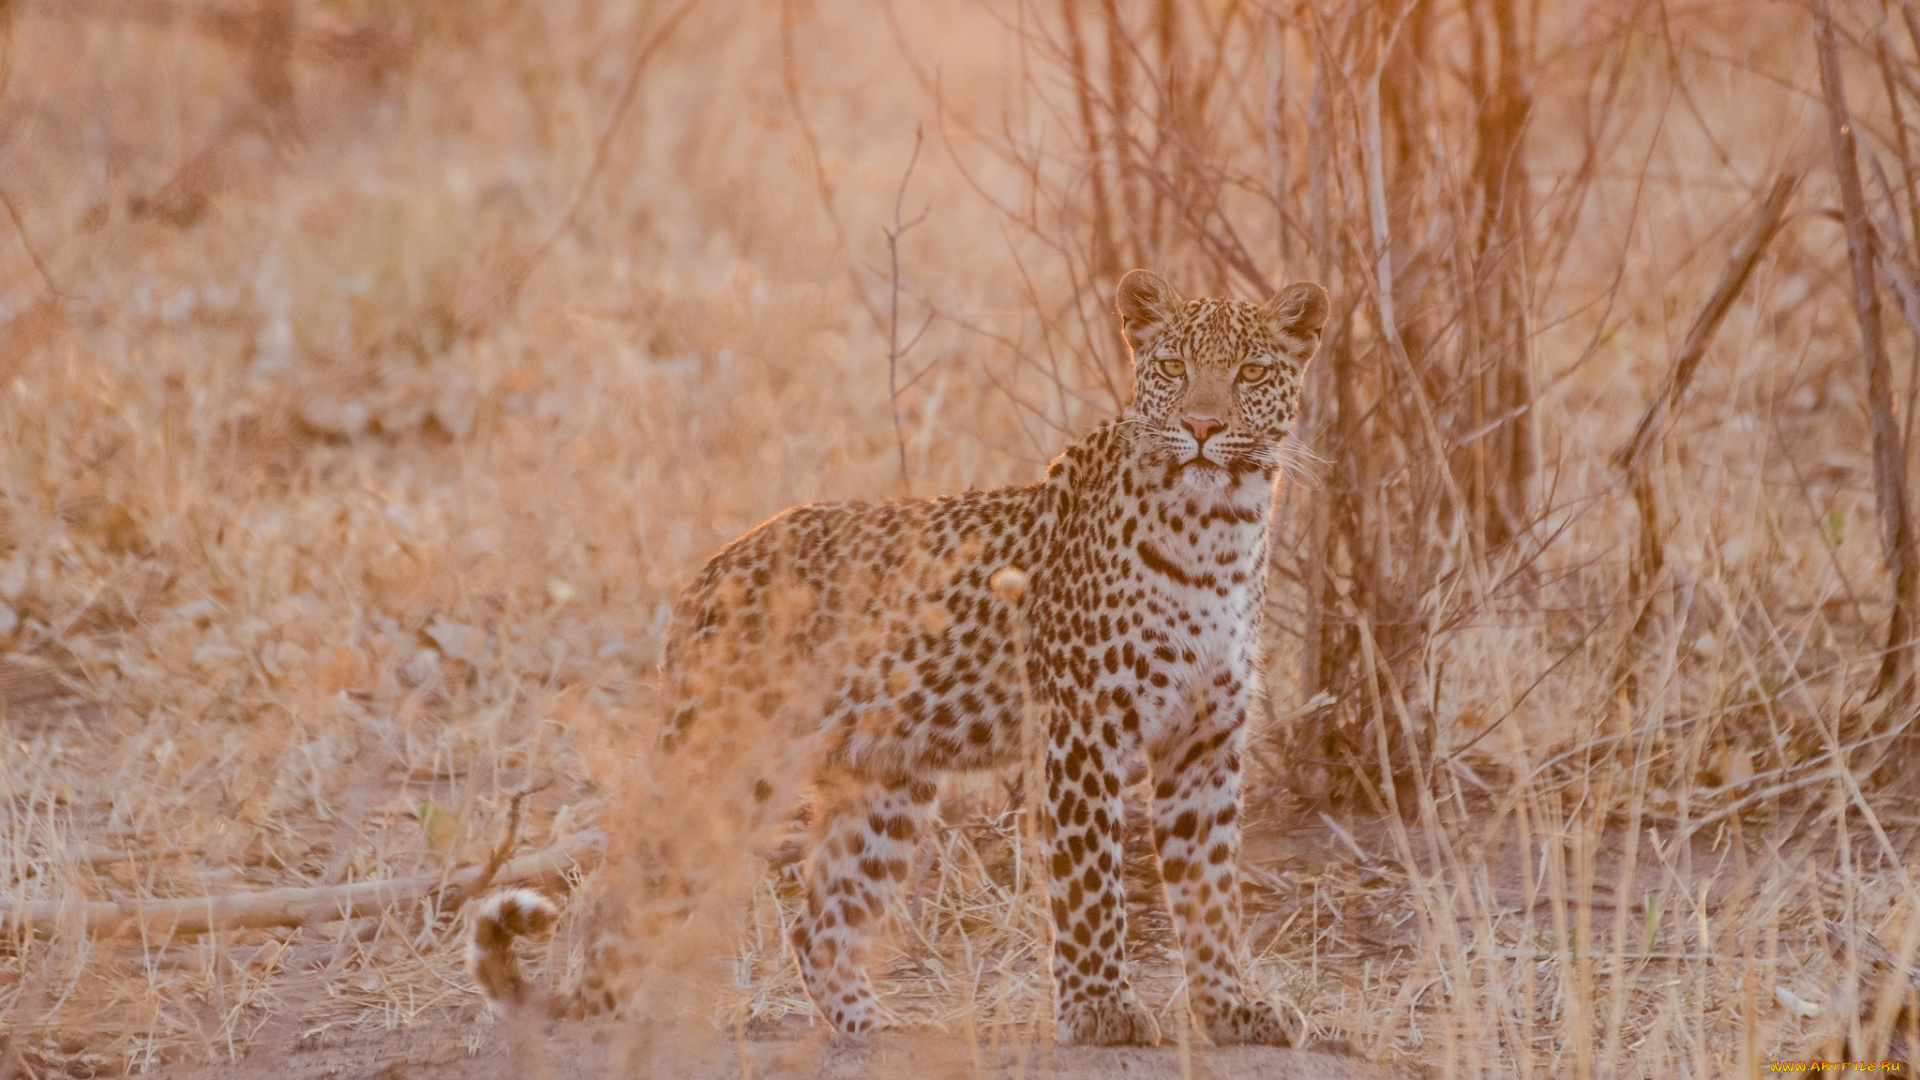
{"x": 372, "y": 375}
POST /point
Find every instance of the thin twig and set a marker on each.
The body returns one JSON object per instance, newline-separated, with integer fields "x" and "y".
{"x": 509, "y": 292}
{"x": 457, "y": 895}
{"x": 26, "y": 242}
{"x": 816, "y": 160}
{"x": 894, "y": 352}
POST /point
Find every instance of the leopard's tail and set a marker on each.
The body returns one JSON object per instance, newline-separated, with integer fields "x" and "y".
{"x": 496, "y": 922}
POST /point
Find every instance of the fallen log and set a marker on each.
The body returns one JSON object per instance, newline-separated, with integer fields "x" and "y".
{"x": 159, "y": 919}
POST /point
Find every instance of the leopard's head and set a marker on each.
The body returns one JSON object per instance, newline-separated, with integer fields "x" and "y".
{"x": 1216, "y": 383}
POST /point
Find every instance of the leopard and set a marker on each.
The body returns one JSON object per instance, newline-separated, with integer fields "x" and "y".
{"x": 1106, "y": 620}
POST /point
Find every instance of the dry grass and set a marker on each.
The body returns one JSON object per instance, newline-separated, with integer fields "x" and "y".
{"x": 355, "y": 433}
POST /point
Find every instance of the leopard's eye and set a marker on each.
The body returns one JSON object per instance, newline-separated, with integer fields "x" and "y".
{"x": 1173, "y": 369}
{"x": 1255, "y": 374}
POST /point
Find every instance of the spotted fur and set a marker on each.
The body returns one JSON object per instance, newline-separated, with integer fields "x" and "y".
{"x": 858, "y": 651}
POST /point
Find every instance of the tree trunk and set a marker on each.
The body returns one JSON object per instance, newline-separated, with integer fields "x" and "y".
{"x": 1891, "y": 493}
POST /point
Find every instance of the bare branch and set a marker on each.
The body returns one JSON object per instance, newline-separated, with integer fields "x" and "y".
{"x": 1745, "y": 255}
{"x": 160, "y": 919}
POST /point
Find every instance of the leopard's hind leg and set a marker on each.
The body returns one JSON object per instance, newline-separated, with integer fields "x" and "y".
{"x": 706, "y": 803}
{"x": 866, "y": 833}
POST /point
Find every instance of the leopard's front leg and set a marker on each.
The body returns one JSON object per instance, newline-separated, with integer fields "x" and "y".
{"x": 1196, "y": 798}
{"x": 1093, "y": 1002}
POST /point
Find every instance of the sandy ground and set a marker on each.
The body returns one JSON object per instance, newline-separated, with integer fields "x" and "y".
{"x": 478, "y": 1050}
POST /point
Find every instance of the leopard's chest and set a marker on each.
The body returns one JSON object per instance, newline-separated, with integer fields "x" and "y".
{"x": 1162, "y": 587}
{"x": 1193, "y": 569}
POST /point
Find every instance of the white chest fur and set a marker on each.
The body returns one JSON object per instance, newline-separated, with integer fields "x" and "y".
{"x": 1202, "y": 548}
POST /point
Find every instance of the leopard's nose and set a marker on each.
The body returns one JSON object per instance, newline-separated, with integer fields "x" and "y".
{"x": 1203, "y": 426}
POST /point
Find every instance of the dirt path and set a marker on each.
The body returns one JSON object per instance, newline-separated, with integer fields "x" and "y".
{"x": 579, "y": 1050}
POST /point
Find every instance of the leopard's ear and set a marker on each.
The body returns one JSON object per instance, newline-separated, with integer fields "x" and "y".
{"x": 1296, "y": 317}
{"x": 1147, "y": 304}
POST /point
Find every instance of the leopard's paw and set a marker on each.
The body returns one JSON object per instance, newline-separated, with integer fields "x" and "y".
{"x": 1107, "y": 1022}
{"x": 1253, "y": 1023}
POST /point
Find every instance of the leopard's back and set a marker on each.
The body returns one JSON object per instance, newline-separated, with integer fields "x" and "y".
{"x": 872, "y": 627}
